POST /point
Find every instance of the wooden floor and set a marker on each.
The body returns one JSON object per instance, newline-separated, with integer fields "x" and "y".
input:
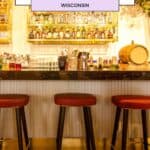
{"x": 69, "y": 144}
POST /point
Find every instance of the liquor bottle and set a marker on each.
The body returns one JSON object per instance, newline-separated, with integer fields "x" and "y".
{"x": 38, "y": 34}
{"x": 96, "y": 36}
{"x": 41, "y": 19}
{"x": 73, "y": 33}
{"x": 61, "y": 19}
{"x": 78, "y": 33}
{"x": 61, "y": 33}
{"x": 109, "y": 17}
{"x": 89, "y": 34}
{"x": 49, "y": 34}
{"x": 83, "y": 33}
{"x": 33, "y": 19}
{"x": 43, "y": 34}
{"x": 31, "y": 35}
{"x": 51, "y": 19}
{"x": 67, "y": 34}
{"x": 109, "y": 34}
{"x": 55, "y": 33}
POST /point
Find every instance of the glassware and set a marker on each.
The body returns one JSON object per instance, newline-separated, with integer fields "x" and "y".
{"x": 62, "y": 62}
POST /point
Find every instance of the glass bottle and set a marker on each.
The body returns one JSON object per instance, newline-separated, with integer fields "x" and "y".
{"x": 61, "y": 33}
{"x": 109, "y": 34}
{"x": 31, "y": 35}
{"x": 67, "y": 33}
{"x": 96, "y": 36}
{"x": 109, "y": 18}
{"x": 33, "y": 19}
{"x": 83, "y": 32}
{"x": 78, "y": 33}
{"x": 55, "y": 33}
{"x": 41, "y": 19}
{"x": 73, "y": 33}
{"x": 51, "y": 19}
{"x": 49, "y": 34}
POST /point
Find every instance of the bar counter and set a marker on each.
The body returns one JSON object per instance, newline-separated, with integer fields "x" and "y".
{"x": 123, "y": 73}
{"x": 42, "y": 84}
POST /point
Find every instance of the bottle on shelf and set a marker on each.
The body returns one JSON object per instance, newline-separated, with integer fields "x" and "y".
{"x": 91, "y": 25}
{"x": 67, "y": 34}
{"x": 83, "y": 33}
{"x": 51, "y": 19}
{"x": 55, "y": 33}
{"x": 78, "y": 33}
{"x": 38, "y": 34}
{"x": 49, "y": 34}
{"x": 97, "y": 34}
{"x": 31, "y": 35}
{"x": 41, "y": 19}
{"x": 61, "y": 33}
{"x": 110, "y": 34}
{"x": 73, "y": 35}
{"x": 109, "y": 18}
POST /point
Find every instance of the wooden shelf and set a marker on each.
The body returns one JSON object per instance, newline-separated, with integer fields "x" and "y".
{"x": 4, "y": 41}
{"x": 71, "y": 41}
{"x": 72, "y": 25}
{"x": 5, "y": 8}
{"x": 3, "y": 4}
{"x": 4, "y": 27}
{"x": 48, "y": 22}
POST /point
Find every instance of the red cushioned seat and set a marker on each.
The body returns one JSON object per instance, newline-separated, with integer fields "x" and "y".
{"x": 132, "y": 101}
{"x": 75, "y": 99}
{"x": 13, "y": 100}
{"x": 80, "y": 100}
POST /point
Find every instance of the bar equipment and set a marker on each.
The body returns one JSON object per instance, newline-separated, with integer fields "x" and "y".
{"x": 83, "y": 60}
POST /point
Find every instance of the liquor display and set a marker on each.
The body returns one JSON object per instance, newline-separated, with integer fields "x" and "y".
{"x": 5, "y": 21}
{"x": 72, "y": 27}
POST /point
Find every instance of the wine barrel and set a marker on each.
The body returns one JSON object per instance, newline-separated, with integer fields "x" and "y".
{"x": 135, "y": 53}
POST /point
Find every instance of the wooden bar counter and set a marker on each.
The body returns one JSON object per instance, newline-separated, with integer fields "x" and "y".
{"x": 42, "y": 84}
{"x": 125, "y": 72}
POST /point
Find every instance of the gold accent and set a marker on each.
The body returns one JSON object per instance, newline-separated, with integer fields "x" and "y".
{"x": 71, "y": 41}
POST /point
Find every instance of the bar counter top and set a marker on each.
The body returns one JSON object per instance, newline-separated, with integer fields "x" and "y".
{"x": 123, "y": 73}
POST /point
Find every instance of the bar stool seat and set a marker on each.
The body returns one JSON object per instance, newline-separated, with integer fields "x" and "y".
{"x": 17, "y": 101}
{"x": 75, "y": 99}
{"x": 13, "y": 100}
{"x": 132, "y": 101}
{"x": 78, "y": 100}
{"x": 126, "y": 102}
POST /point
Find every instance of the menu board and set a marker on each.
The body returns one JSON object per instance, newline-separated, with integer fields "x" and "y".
{"x": 29, "y": 2}
{"x": 75, "y": 5}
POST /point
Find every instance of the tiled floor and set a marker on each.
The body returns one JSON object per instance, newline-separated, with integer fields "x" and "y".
{"x": 69, "y": 144}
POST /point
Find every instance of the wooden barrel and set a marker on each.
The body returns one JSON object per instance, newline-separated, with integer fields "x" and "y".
{"x": 135, "y": 53}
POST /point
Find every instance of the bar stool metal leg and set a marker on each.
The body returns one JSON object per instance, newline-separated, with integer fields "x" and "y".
{"x": 93, "y": 147}
{"x": 24, "y": 124}
{"x": 116, "y": 125}
{"x": 86, "y": 128}
{"x": 60, "y": 128}
{"x": 143, "y": 113}
{"x": 124, "y": 129}
{"x": 19, "y": 129}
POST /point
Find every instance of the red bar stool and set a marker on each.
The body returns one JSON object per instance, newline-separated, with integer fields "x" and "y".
{"x": 127, "y": 102}
{"x": 78, "y": 100}
{"x": 18, "y": 102}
